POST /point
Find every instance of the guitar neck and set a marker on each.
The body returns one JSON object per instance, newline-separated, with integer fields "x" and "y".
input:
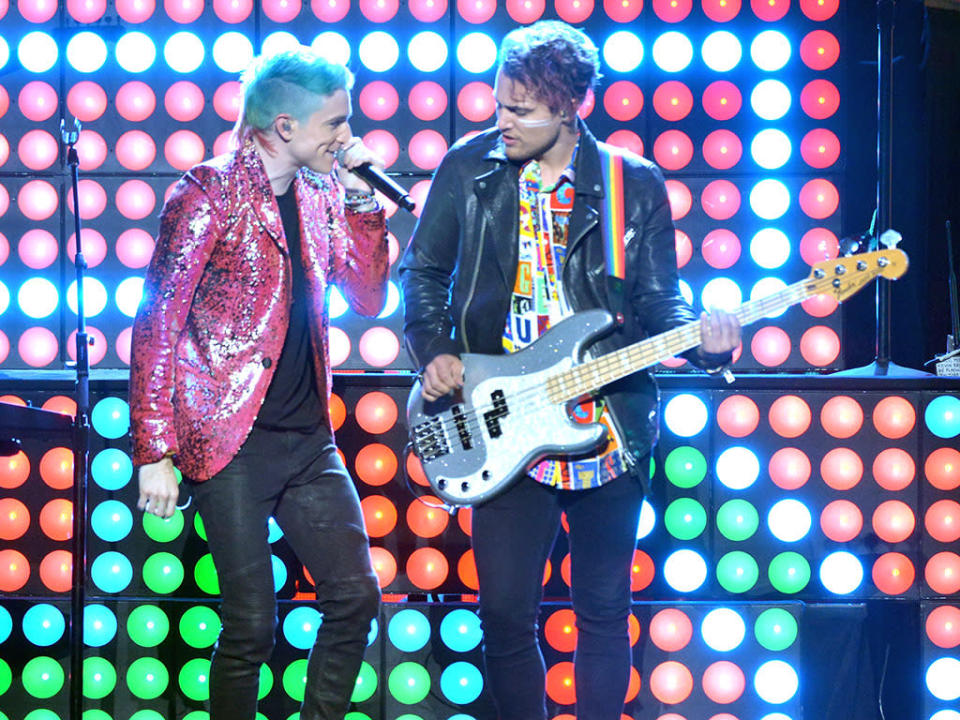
{"x": 588, "y": 377}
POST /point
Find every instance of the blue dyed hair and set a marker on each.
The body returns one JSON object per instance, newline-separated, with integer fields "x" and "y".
{"x": 295, "y": 82}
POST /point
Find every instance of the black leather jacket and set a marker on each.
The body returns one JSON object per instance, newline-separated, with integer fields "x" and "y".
{"x": 458, "y": 271}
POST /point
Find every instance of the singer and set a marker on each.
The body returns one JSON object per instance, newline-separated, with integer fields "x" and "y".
{"x": 230, "y": 374}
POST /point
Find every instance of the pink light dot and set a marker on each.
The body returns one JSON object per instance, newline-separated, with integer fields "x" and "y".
{"x": 37, "y": 101}
{"x": 379, "y": 10}
{"x": 135, "y": 150}
{"x": 123, "y": 343}
{"x": 623, "y": 11}
{"x": 426, "y": 149}
{"x": 233, "y": 11}
{"x": 574, "y": 11}
{"x": 4, "y": 101}
{"x": 38, "y": 149}
{"x": 37, "y": 249}
{"x": 379, "y": 100}
{"x": 384, "y": 144}
{"x": 623, "y": 100}
{"x": 770, "y": 10}
{"x": 721, "y": 10}
{"x": 673, "y": 100}
{"x": 672, "y": 11}
{"x": 37, "y": 11}
{"x": 819, "y": 10}
{"x": 86, "y": 101}
{"x": 224, "y": 143}
{"x": 4, "y": 346}
{"x": 586, "y": 107}
{"x": 475, "y": 101}
{"x": 820, "y": 98}
{"x": 4, "y": 248}
{"x": 427, "y": 100}
{"x": 38, "y": 199}
{"x": 418, "y": 193}
{"x": 525, "y": 11}
{"x": 86, "y": 11}
{"x": 135, "y": 248}
{"x": 379, "y": 346}
{"x": 817, "y": 245}
{"x": 841, "y": 520}
{"x": 94, "y": 246}
{"x": 684, "y": 247}
{"x": 720, "y": 199}
{"x": 93, "y": 199}
{"x": 330, "y": 11}
{"x": 721, "y": 248}
{"x": 183, "y": 11}
{"x": 428, "y": 10}
{"x": 819, "y": 198}
{"x": 135, "y": 199}
{"x": 96, "y": 352}
{"x": 183, "y": 101}
{"x": 626, "y": 139}
{"x": 135, "y": 101}
{"x": 136, "y": 11}
{"x": 339, "y": 343}
{"x": 789, "y": 467}
{"x": 227, "y": 100}
{"x": 393, "y": 247}
{"x": 770, "y": 346}
{"x": 476, "y": 11}
{"x": 680, "y": 198}
{"x": 722, "y": 149}
{"x": 722, "y": 100}
{"x": 282, "y": 11}
{"x": 91, "y": 149}
{"x": 673, "y": 150}
{"x": 723, "y": 682}
{"x": 38, "y": 347}
{"x": 4, "y": 200}
{"x": 820, "y": 305}
{"x": 184, "y": 149}
{"x": 820, "y": 345}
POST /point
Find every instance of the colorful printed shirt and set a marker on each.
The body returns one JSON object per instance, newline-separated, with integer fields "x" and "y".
{"x": 538, "y": 302}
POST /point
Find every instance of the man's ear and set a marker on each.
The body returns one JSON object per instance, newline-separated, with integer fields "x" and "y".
{"x": 284, "y": 127}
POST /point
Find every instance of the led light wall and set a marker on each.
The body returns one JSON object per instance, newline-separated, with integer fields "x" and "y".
{"x": 739, "y": 104}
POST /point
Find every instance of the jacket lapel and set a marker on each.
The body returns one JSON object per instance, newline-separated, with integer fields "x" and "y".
{"x": 589, "y": 190}
{"x": 256, "y": 190}
{"x": 498, "y": 196}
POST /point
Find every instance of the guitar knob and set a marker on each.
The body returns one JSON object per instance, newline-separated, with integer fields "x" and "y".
{"x": 442, "y": 484}
{"x": 464, "y": 486}
{"x": 486, "y": 475}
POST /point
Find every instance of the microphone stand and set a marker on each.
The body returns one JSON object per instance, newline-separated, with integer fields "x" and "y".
{"x": 81, "y": 442}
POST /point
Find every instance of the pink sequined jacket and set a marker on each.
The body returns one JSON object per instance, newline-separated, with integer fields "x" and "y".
{"x": 217, "y": 294}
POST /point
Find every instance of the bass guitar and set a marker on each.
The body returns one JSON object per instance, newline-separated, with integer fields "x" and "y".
{"x": 513, "y": 410}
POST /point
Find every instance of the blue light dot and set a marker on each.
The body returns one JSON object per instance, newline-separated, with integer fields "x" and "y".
{"x": 279, "y": 573}
{"x": 128, "y": 295}
{"x": 770, "y": 248}
{"x": 232, "y": 51}
{"x": 721, "y": 51}
{"x": 769, "y": 199}
{"x": 111, "y": 572}
{"x": 43, "y": 624}
{"x": 86, "y": 52}
{"x": 300, "y": 627}
{"x": 111, "y": 417}
{"x": 136, "y": 52}
{"x": 771, "y": 149}
{"x": 770, "y": 99}
{"x": 183, "y": 52}
{"x": 476, "y": 52}
{"x": 672, "y": 51}
{"x": 379, "y": 51}
{"x": 942, "y": 416}
{"x": 111, "y": 521}
{"x": 623, "y": 51}
{"x": 685, "y": 415}
{"x": 461, "y": 682}
{"x": 427, "y": 51}
{"x": 409, "y": 630}
{"x": 99, "y": 625}
{"x": 37, "y": 52}
{"x": 279, "y": 41}
{"x": 38, "y": 298}
{"x": 94, "y": 297}
{"x": 112, "y": 469}
{"x": 460, "y": 630}
{"x": 331, "y": 46}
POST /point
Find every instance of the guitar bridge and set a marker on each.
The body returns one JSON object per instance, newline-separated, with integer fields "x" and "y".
{"x": 429, "y": 440}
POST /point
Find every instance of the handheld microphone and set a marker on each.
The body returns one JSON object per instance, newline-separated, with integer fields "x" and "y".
{"x": 379, "y": 180}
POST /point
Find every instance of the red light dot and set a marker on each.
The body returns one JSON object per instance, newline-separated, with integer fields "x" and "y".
{"x": 86, "y": 101}
{"x": 671, "y": 682}
{"x": 4, "y": 101}
{"x": 56, "y": 468}
{"x": 91, "y": 150}
{"x": 376, "y": 412}
{"x": 626, "y": 139}
{"x": 642, "y": 571}
{"x": 476, "y": 11}
{"x": 789, "y": 416}
{"x": 820, "y": 148}
{"x": 723, "y": 682}
{"x": 379, "y": 515}
{"x": 586, "y": 107}
{"x": 770, "y": 346}
{"x": 184, "y": 149}
{"x": 426, "y": 518}
{"x": 560, "y": 684}
{"x": 97, "y": 350}
{"x": 722, "y": 149}
{"x": 680, "y": 198}
{"x": 465, "y": 520}
{"x": 738, "y": 416}
{"x": 136, "y": 11}
{"x": 337, "y": 411}
{"x": 61, "y": 404}
{"x": 722, "y": 100}
{"x": 820, "y": 305}
{"x": 475, "y": 101}
{"x": 820, "y": 345}
{"x": 37, "y": 101}
{"x": 623, "y": 11}
{"x": 56, "y": 571}
{"x": 841, "y": 416}
{"x": 942, "y": 573}
{"x": 770, "y": 10}
{"x": 226, "y": 100}
{"x": 376, "y": 464}
{"x": 525, "y": 11}
{"x": 943, "y": 626}
{"x": 384, "y": 565}
{"x": 136, "y": 150}
{"x": 672, "y": 100}
{"x": 135, "y": 101}
{"x": 415, "y": 471}
{"x": 14, "y": 470}
{"x": 894, "y": 469}
{"x": 942, "y": 468}
{"x": 893, "y": 521}
{"x": 427, "y": 100}
{"x": 14, "y": 519}
{"x": 56, "y": 519}
{"x": 14, "y": 570}
{"x": 819, "y": 198}
{"x": 427, "y": 568}
{"x": 942, "y": 521}
{"x": 683, "y": 246}
{"x": 721, "y": 10}
{"x": 37, "y": 249}
{"x": 623, "y": 100}
{"x": 820, "y": 99}
{"x": 819, "y": 10}
{"x": 135, "y": 199}
{"x": 38, "y": 347}
{"x": 672, "y": 11}
{"x": 894, "y": 417}
{"x": 841, "y": 521}
{"x": 817, "y": 245}
{"x": 467, "y": 570}
{"x": 789, "y": 468}
{"x": 819, "y": 50}
{"x": 560, "y": 630}
{"x": 841, "y": 468}
{"x": 574, "y": 11}
{"x": 671, "y": 630}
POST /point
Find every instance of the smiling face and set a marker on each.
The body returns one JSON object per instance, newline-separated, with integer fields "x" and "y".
{"x": 313, "y": 142}
{"x": 528, "y": 127}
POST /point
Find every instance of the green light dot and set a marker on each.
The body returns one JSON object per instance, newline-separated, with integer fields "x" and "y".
{"x": 42, "y": 677}
{"x": 163, "y": 530}
{"x": 356, "y": 716}
{"x": 197, "y": 715}
{"x": 41, "y": 714}
{"x": 99, "y": 678}
{"x": 194, "y": 679}
{"x": 146, "y": 715}
{"x": 200, "y": 626}
{"x": 266, "y": 681}
{"x": 775, "y": 629}
{"x": 147, "y": 678}
{"x": 409, "y": 683}
{"x": 295, "y": 679}
{"x": 96, "y": 714}
{"x": 409, "y": 716}
{"x": 685, "y": 467}
{"x": 366, "y": 683}
{"x": 6, "y": 676}
{"x": 789, "y": 572}
{"x": 737, "y": 520}
{"x": 685, "y": 518}
{"x": 205, "y": 575}
{"x": 163, "y": 573}
{"x": 737, "y": 572}
{"x": 198, "y": 526}
{"x": 148, "y": 626}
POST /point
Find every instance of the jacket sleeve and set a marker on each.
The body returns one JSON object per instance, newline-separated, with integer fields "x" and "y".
{"x": 360, "y": 261}
{"x": 189, "y": 230}
{"x": 657, "y": 300}
{"x": 427, "y": 269}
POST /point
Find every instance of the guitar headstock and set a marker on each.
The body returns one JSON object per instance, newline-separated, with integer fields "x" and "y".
{"x": 843, "y": 276}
